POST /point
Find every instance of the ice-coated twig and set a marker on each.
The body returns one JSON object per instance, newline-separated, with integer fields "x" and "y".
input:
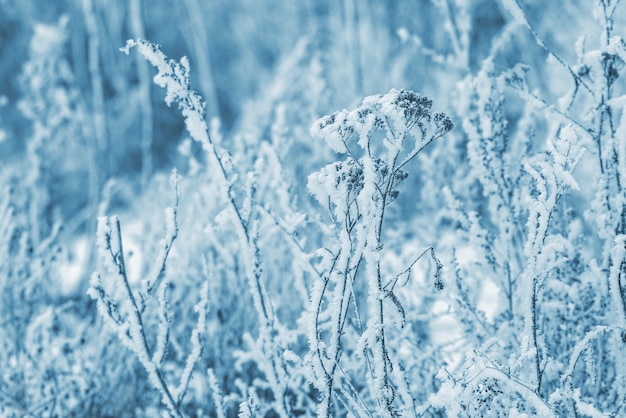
{"x": 197, "y": 346}
{"x": 171, "y": 233}
{"x": 131, "y": 328}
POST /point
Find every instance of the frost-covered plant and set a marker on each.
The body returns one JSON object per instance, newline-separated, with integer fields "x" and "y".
{"x": 550, "y": 330}
{"x": 591, "y": 106}
{"x": 243, "y": 215}
{"x": 125, "y": 308}
{"x": 526, "y": 307}
{"x": 350, "y": 302}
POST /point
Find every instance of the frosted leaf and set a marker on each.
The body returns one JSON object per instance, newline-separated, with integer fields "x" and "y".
{"x": 224, "y": 219}
{"x": 586, "y": 408}
{"x": 250, "y": 198}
